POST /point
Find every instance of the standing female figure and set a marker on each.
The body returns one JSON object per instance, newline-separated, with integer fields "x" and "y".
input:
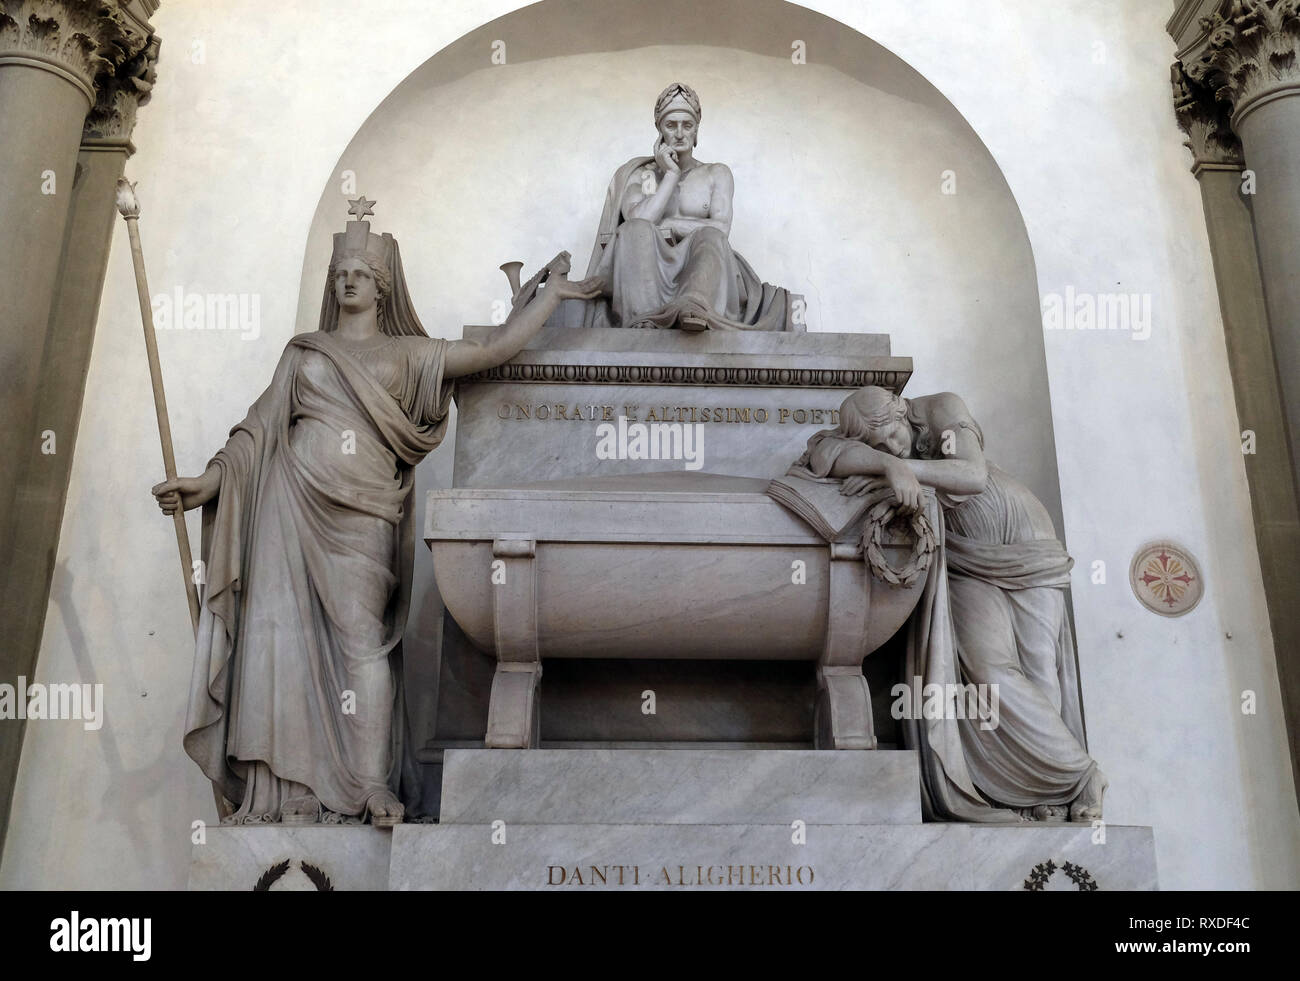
{"x": 296, "y": 710}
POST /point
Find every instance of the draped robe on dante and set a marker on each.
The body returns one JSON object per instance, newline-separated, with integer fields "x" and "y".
{"x": 652, "y": 281}
{"x": 993, "y": 612}
{"x": 308, "y": 549}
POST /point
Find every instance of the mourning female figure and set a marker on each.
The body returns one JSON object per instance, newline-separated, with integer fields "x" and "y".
{"x": 296, "y": 710}
{"x": 992, "y": 613}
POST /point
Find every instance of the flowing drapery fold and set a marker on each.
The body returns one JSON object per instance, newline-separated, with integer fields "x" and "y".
{"x": 653, "y": 280}
{"x": 992, "y": 613}
{"x": 307, "y": 552}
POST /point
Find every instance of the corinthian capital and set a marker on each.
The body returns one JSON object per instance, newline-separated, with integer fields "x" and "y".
{"x": 1252, "y": 52}
{"x": 112, "y": 118}
{"x": 1205, "y": 119}
{"x": 83, "y": 41}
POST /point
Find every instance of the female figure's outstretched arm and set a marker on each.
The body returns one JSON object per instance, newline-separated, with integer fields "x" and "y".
{"x": 465, "y": 357}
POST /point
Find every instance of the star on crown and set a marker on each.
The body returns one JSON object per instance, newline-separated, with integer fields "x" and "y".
{"x": 361, "y": 208}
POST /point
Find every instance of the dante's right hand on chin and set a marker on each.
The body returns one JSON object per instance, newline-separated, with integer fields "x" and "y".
{"x": 666, "y": 158}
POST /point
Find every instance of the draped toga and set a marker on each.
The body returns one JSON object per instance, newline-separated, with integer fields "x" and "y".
{"x": 308, "y": 550}
{"x": 993, "y": 612}
{"x": 652, "y": 280}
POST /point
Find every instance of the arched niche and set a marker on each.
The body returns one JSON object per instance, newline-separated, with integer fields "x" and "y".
{"x": 842, "y": 165}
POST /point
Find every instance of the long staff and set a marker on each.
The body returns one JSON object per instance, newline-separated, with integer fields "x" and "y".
{"x": 129, "y": 208}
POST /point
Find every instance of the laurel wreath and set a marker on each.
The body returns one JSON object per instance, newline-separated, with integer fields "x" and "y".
{"x": 879, "y": 519}
{"x": 273, "y": 875}
{"x": 1043, "y": 871}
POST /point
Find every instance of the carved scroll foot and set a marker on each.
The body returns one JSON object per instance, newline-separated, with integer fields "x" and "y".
{"x": 513, "y": 714}
{"x": 843, "y": 716}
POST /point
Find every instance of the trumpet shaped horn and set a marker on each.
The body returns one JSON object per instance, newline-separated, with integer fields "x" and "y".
{"x": 512, "y": 269}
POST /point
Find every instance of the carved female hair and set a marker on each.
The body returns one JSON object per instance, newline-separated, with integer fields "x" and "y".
{"x": 378, "y": 269}
{"x": 383, "y": 281}
{"x": 868, "y": 410}
{"x": 871, "y": 409}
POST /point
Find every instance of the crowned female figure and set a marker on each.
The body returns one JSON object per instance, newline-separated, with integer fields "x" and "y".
{"x": 296, "y": 710}
{"x": 993, "y": 612}
{"x": 662, "y": 255}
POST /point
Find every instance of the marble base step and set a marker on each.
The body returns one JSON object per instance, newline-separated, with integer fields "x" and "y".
{"x": 578, "y": 857}
{"x": 247, "y": 857}
{"x": 679, "y": 786}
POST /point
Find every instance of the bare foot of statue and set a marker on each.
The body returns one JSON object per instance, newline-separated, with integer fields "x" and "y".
{"x": 1087, "y": 806}
{"x": 300, "y": 810}
{"x": 384, "y": 809}
{"x": 1051, "y": 812}
{"x": 692, "y": 320}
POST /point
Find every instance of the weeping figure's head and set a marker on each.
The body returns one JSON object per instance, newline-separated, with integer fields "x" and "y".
{"x": 878, "y": 417}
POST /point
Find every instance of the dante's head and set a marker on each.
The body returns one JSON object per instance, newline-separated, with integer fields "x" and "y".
{"x": 877, "y": 417}
{"x": 677, "y": 117}
{"x": 360, "y": 281}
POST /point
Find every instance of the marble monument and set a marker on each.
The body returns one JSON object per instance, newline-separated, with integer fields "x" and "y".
{"x": 871, "y": 641}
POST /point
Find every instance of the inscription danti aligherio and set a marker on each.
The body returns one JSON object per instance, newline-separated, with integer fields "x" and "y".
{"x": 680, "y": 875}
{"x": 736, "y": 415}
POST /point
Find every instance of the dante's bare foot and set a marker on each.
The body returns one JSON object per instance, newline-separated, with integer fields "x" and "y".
{"x": 693, "y": 321}
{"x": 1087, "y": 806}
{"x": 384, "y": 809}
{"x": 1051, "y": 812}
{"x": 300, "y": 810}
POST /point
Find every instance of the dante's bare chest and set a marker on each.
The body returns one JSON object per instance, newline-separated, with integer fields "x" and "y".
{"x": 692, "y": 195}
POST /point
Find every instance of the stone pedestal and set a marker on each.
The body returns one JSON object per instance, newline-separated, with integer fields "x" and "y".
{"x": 773, "y": 820}
{"x": 679, "y": 787}
{"x": 678, "y": 820}
{"x": 759, "y": 396}
{"x": 280, "y": 857}
{"x": 619, "y": 857}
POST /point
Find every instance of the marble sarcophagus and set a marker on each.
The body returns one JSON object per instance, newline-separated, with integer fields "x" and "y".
{"x": 546, "y": 548}
{"x": 674, "y": 565}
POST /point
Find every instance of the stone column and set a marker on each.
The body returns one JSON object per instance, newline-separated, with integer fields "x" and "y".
{"x": 72, "y": 73}
{"x": 1244, "y": 79}
{"x": 1251, "y": 62}
{"x": 50, "y": 56}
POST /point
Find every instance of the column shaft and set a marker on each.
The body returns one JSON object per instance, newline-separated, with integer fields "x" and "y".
{"x": 37, "y": 515}
{"x": 1270, "y": 136}
{"x": 42, "y": 113}
{"x": 1258, "y": 397}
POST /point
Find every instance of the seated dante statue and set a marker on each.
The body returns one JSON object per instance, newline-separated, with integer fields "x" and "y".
{"x": 662, "y": 255}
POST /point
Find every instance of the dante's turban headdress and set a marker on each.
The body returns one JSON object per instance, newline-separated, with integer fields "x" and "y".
{"x": 677, "y": 97}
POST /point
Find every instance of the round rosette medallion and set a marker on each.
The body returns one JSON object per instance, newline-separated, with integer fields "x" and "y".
{"x": 1166, "y": 579}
